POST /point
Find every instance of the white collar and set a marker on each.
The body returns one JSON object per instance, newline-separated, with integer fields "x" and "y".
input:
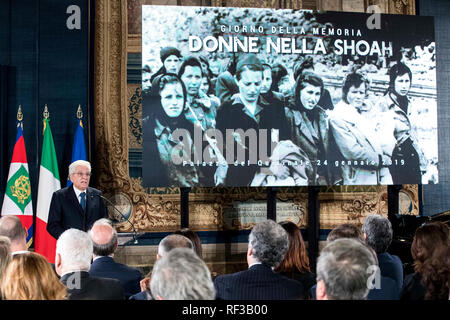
{"x": 253, "y": 264}
{"x": 78, "y": 191}
{"x": 19, "y": 252}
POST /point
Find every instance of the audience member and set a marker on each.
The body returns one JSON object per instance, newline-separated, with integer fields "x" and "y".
{"x": 104, "y": 238}
{"x": 11, "y": 227}
{"x": 342, "y": 271}
{"x": 74, "y": 251}
{"x": 268, "y": 244}
{"x": 431, "y": 253}
{"x": 378, "y": 235}
{"x": 31, "y": 277}
{"x": 295, "y": 264}
{"x": 168, "y": 243}
{"x": 5, "y": 255}
{"x": 193, "y": 236}
{"x": 346, "y": 230}
{"x": 181, "y": 275}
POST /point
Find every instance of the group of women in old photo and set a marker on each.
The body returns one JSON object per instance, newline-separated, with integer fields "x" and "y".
{"x": 285, "y": 128}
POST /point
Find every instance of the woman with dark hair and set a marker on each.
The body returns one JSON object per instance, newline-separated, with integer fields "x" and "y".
{"x": 168, "y": 135}
{"x": 295, "y": 264}
{"x": 307, "y": 65}
{"x": 406, "y": 161}
{"x": 308, "y": 125}
{"x": 431, "y": 253}
{"x": 247, "y": 112}
{"x": 364, "y": 137}
{"x": 199, "y": 108}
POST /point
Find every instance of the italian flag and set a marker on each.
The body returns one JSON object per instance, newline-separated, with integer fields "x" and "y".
{"x": 49, "y": 182}
{"x": 17, "y": 200}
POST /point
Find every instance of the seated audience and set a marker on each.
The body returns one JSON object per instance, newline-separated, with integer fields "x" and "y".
{"x": 267, "y": 246}
{"x": 193, "y": 236}
{"x": 31, "y": 277}
{"x": 431, "y": 253}
{"x": 74, "y": 251}
{"x": 11, "y": 227}
{"x": 378, "y": 235}
{"x": 342, "y": 271}
{"x": 295, "y": 264}
{"x": 384, "y": 288}
{"x": 181, "y": 275}
{"x": 168, "y": 243}
{"x": 104, "y": 238}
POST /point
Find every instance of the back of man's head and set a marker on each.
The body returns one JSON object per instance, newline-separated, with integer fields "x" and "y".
{"x": 173, "y": 241}
{"x": 74, "y": 248}
{"x": 269, "y": 242}
{"x": 11, "y": 227}
{"x": 345, "y": 230}
{"x": 378, "y": 232}
{"x": 343, "y": 270}
{"x": 104, "y": 238}
{"x": 181, "y": 275}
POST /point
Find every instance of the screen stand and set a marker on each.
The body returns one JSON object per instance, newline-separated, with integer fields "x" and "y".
{"x": 313, "y": 225}
{"x": 184, "y": 204}
{"x": 272, "y": 203}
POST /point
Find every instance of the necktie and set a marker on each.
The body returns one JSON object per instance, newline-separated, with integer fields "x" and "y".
{"x": 83, "y": 200}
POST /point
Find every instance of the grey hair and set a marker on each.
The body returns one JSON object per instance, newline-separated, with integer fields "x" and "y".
{"x": 379, "y": 232}
{"x": 182, "y": 275}
{"x": 173, "y": 241}
{"x": 343, "y": 265}
{"x": 269, "y": 242}
{"x": 76, "y": 248}
{"x": 73, "y": 166}
{"x": 108, "y": 248}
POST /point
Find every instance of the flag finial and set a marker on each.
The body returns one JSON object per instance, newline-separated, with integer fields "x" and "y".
{"x": 19, "y": 114}
{"x": 79, "y": 112}
{"x": 46, "y": 114}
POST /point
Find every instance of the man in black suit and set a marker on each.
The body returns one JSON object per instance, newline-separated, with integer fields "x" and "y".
{"x": 77, "y": 206}
{"x": 268, "y": 243}
{"x": 104, "y": 238}
{"x": 74, "y": 250}
{"x": 378, "y": 234}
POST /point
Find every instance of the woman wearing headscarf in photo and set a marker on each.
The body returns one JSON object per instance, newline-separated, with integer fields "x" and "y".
{"x": 308, "y": 125}
{"x": 165, "y": 145}
{"x": 406, "y": 162}
{"x": 246, "y": 110}
{"x": 171, "y": 60}
{"x": 363, "y": 135}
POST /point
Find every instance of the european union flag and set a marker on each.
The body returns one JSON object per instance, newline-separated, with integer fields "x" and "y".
{"x": 79, "y": 147}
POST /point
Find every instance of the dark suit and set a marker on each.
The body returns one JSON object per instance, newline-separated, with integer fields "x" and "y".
{"x": 106, "y": 267}
{"x": 391, "y": 266}
{"x": 66, "y": 212}
{"x": 259, "y": 282}
{"x": 81, "y": 286}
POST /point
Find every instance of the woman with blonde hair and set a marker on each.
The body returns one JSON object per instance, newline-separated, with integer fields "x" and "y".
{"x": 29, "y": 276}
{"x": 5, "y": 254}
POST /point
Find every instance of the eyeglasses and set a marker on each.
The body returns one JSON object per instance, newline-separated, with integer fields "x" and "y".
{"x": 81, "y": 174}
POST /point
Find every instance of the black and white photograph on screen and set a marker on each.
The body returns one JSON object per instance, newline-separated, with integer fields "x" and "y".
{"x": 266, "y": 97}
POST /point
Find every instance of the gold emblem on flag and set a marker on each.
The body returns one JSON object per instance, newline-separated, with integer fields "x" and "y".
{"x": 21, "y": 189}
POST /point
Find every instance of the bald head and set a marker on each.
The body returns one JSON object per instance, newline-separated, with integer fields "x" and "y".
{"x": 104, "y": 237}
{"x": 11, "y": 227}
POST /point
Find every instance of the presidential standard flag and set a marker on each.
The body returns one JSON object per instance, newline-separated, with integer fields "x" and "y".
{"x": 17, "y": 200}
{"x": 79, "y": 147}
{"x": 49, "y": 182}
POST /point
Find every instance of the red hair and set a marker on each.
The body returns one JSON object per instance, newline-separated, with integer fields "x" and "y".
{"x": 296, "y": 259}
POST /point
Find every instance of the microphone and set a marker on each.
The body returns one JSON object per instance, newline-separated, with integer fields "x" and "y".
{"x": 135, "y": 241}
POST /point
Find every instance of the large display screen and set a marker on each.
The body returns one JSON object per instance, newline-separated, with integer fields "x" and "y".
{"x": 266, "y": 97}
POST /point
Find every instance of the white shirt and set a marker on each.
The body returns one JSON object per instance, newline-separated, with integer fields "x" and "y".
{"x": 78, "y": 192}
